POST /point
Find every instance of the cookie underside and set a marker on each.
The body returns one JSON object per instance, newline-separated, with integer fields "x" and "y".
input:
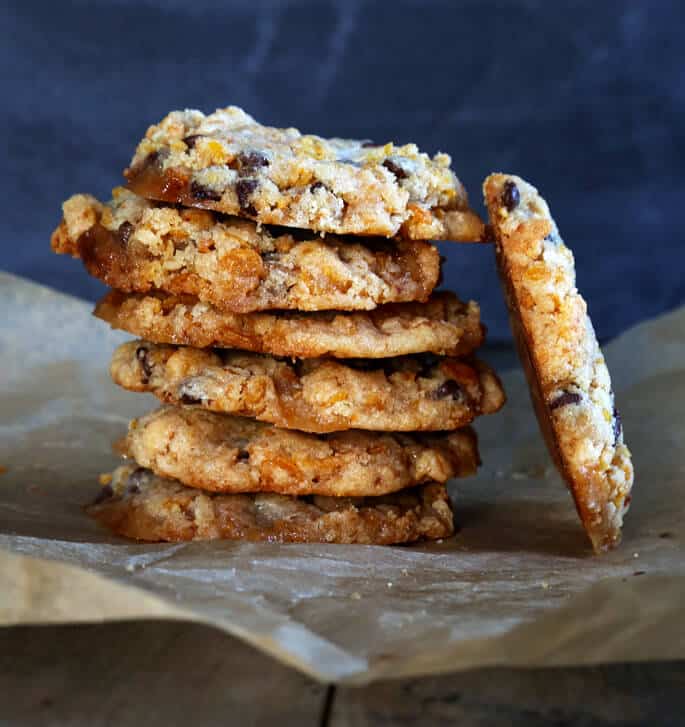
{"x": 568, "y": 378}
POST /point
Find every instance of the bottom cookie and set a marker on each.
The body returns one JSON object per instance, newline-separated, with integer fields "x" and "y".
{"x": 141, "y": 505}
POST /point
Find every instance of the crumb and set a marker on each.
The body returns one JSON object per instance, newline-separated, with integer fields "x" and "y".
{"x": 636, "y": 555}
{"x": 639, "y": 572}
{"x": 545, "y": 585}
{"x": 105, "y": 479}
{"x": 404, "y": 572}
{"x": 389, "y": 584}
{"x": 356, "y": 596}
{"x": 3, "y": 470}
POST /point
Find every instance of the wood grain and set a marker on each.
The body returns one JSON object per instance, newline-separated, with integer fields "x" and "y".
{"x": 627, "y": 695}
{"x": 146, "y": 673}
{"x": 167, "y": 673}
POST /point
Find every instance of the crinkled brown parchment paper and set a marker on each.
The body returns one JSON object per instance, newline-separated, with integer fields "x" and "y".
{"x": 517, "y": 586}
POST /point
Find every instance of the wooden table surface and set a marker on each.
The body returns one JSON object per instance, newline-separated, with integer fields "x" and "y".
{"x": 170, "y": 673}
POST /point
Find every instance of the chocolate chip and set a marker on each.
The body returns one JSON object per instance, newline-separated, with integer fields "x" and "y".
{"x": 565, "y": 399}
{"x": 317, "y": 185}
{"x": 243, "y": 455}
{"x": 245, "y": 188}
{"x": 188, "y": 399}
{"x": 639, "y": 572}
{"x": 124, "y": 232}
{"x": 136, "y": 477}
{"x": 510, "y": 195}
{"x": 190, "y": 141}
{"x": 618, "y": 426}
{"x": 396, "y": 169}
{"x": 448, "y": 389}
{"x": 133, "y": 489}
{"x": 105, "y": 493}
{"x": 249, "y": 161}
{"x": 142, "y": 354}
{"x": 152, "y": 158}
{"x": 665, "y": 535}
{"x": 202, "y": 193}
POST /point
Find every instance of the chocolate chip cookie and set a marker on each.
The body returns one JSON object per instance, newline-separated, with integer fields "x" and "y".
{"x": 442, "y": 325}
{"x": 568, "y": 376}
{"x": 423, "y": 392}
{"x": 137, "y": 246}
{"x": 138, "y": 504}
{"x": 230, "y": 163}
{"x": 223, "y": 453}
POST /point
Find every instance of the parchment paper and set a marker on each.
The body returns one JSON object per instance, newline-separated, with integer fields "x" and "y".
{"x": 517, "y": 586}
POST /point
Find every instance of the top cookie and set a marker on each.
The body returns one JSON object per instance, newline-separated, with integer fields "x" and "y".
{"x": 230, "y": 163}
{"x": 568, "y": 378}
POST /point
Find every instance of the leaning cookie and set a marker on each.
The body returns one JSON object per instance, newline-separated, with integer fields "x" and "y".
{"x": 416, "y": 393}
{"x": 137, "y": 246}
{"x": 138, "y": 504}
{"x": 568, "y": 377}
{"x": 230, "y": 163}
{"x": 224, "y": 453}
{"x": 443, "y": 325}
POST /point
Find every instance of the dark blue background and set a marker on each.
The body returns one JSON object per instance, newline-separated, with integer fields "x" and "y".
{"x": 583, "y": 98}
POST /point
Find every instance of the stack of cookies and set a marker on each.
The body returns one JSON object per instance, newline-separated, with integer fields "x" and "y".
{"x": 315, "y": 388}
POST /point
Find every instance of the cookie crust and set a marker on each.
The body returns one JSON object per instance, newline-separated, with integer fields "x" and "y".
{"x": 230, "y": 163}
{"x": 138, "y": 504}
{"x": 137, "y": 246}
{"x": 418, "y": 393}
{"x": 223, "y": 453}
{"x": 443, "y": 326}
{"x": 568, "y": 377}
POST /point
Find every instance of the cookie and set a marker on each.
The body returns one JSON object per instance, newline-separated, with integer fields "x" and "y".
{"x": 224, "y": 453}
{"x": 138, "y": 504}
{"x": 415, "y": 393}
{"x": 230, "y": 163}
{"x": 568, "y": 376}
{"x": 443, "y": 325}
{"x": 137, "y": 246}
